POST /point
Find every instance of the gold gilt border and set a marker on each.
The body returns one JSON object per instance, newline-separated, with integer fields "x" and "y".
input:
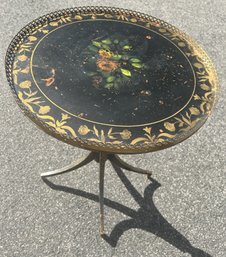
{"x": 113, "y": 139}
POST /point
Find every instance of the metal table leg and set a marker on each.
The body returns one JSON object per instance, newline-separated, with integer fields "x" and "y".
{"x": 101, "y": 158}
{"x": 74, "y": 165}
{"x": 122, "y": 164}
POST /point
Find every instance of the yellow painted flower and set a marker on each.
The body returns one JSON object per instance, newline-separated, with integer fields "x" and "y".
{"x": 196, "y": 97}
{"x": 83, "y": 130}
{"x": 105, "y": 53}
{"x": 65, "y": 116}
{"x": 44, "y": 109}
{"x": 147, "y": 129}
{"x": 125, "y": 134}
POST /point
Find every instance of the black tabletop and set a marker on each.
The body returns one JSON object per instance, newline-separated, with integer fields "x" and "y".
{"x": 111, "y": 80}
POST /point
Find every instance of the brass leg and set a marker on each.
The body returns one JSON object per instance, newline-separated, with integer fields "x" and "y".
{"x": 102, "y": 160}
{"x": 122, "y": 164}
{"x": 75, "y": 165}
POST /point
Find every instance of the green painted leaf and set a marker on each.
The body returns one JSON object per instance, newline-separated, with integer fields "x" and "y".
{"x": 97, "y": 44}
{"x": 107, "y": 41}
{"x": 135, "y": 60}
{"x": 126, "y": 72}
{"x": 110, "y": 78}
{"x": 117, "y": 57}
{"x": 127, "y": 47}
{"x": 106, "y": 47}
{"x": 137, "y": 65}
{"x": 93, "y": 48}
{"x": 91, "y": 73}
{"x": 116, "y": 41}
{"x": 109, "y": 85}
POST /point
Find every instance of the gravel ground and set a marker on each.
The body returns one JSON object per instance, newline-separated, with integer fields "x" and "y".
{"x": 179, "y": 213}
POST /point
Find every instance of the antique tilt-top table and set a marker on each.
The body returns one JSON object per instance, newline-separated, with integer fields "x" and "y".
{"x": 111, "y": 81}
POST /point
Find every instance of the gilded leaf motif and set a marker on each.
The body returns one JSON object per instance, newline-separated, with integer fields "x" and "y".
{"x": 32, "y": 38}
{"x": 78, "y": 17}
{"x": 194, "y": 111}
{"x": 116, "y": 142}
{"x": 61, "y": 131}
{"x": 138, "y": 140}
{"x": 25, "y": 84}
{"x": 169, "y": 126}
{"x": 95, "y": 131}
{"x": 22, "y": 58}
{"x": 46, "y": 117}
{"x": 53, "y": 23}
{"x": 70, "y": 129}
{"x": 23, "y": 100}
{"x": 94, "y": 140}
{"x": 181, "y": 44}
{"x": 133, "y": 20}
{"x": 198, "y": 65}
{"x": 102, "y": 136}
{"x": 205, "y": 87}
{"x": 167, "y": 135}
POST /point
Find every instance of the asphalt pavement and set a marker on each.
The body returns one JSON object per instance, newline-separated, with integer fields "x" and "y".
{"x": 180, "y": 212}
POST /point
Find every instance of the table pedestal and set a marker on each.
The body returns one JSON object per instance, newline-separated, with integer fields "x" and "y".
{"x": 101, "y": 158}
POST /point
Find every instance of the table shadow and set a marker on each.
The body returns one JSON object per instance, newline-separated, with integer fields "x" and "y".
{"x": 147, "y": 217}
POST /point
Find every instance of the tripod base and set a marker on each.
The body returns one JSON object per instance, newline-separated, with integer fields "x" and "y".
{"x": 101, "y": 158}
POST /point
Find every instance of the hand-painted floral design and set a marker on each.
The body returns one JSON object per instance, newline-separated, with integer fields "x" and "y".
{"x": 102, "y": 136}
{"x": 60, "y": 125}
{"x": 83, "y": 130}
{"x": 125, "y": 134}
{"x": 116, "y": 59}
{"x": 113, "y": 63}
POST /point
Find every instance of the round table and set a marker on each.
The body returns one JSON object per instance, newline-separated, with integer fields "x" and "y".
{"x": 110, "y": 81}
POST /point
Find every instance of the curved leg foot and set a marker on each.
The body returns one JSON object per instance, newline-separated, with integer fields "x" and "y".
{"x": 74, "y": 165}
{"x": 122, "y": 164}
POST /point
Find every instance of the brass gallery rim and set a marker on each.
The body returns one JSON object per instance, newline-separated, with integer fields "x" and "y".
{"x": 113, "y": 64}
